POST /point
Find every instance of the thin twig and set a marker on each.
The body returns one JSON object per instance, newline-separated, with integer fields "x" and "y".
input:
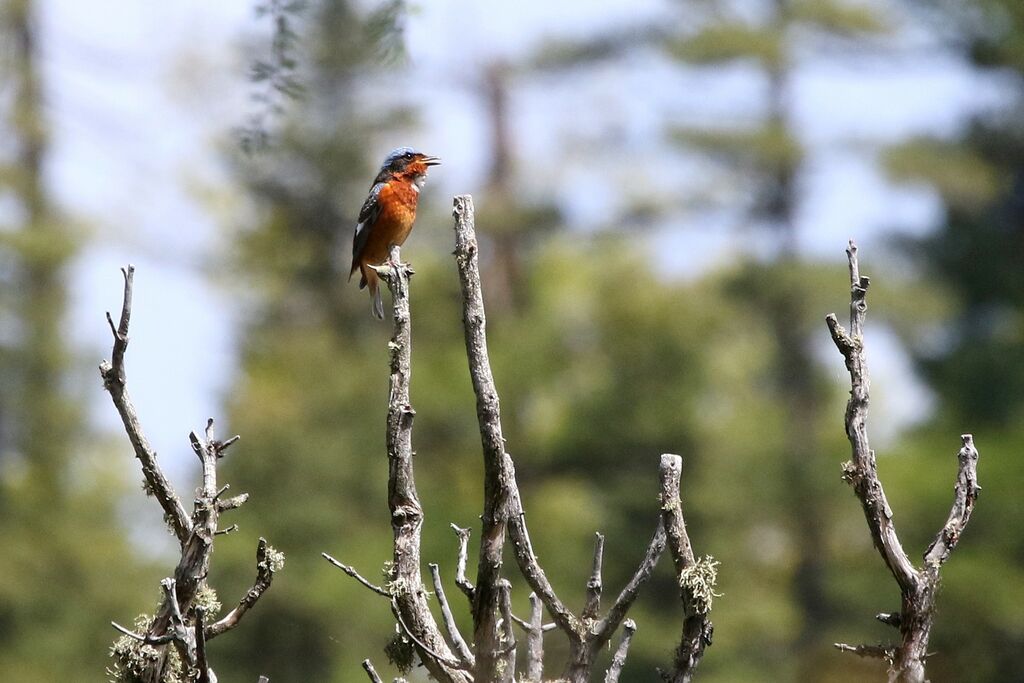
{"x": 619, "y": 659}
{"x": 965, "y": 496}
{"x": 458, "y": 642}
{"x": 535, "y": 640}
{"x": 594, "y": 586}
{"x": 464, "y": 584}
{"x": 114, "y": 381}
{"x": 507, "y": 665}
{"x": 876, "y": 651}
{"x": 603, "y": 631}
{"x": 357, "y": 576}
{"x": 203, "y": 666}
{"x": 266, "y": 566}
{"x": 371, "y": 672}
{"x": 147, "y": 639}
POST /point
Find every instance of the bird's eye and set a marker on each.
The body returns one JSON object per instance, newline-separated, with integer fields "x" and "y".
{"x": 408, "y": 155}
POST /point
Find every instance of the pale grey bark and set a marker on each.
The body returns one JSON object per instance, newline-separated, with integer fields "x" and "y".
{"x": 492, "y": 655}
{"x": 918, "y": 587}
{"x": 178, "y": 621}
{"x": 696, "y": 579}
{"x": 503, "y": 511}
{"x": 619, "y": 660}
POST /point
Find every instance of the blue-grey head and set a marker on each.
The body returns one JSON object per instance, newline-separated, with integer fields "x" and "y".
{"x": 408, "y": 163}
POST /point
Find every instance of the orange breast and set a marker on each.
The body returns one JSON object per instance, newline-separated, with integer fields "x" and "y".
{"x": 397, "y": 214}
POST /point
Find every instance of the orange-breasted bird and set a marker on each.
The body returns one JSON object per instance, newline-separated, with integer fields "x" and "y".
{"x": 387, "y": 215}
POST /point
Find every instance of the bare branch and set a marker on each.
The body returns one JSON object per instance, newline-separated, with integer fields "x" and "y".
{"x": 862, "y": 472}
{"x": 121, "y": 333}
{"x": 965, "y": 495}
{"x": 179, "y": 620}
{"x": 619, "y": 659}
{"x": 371, "y": 672}
{"x": 535, "y": 640}
{"x": 696, "y": 579}
{"x": 918, "y": 588}
{"x": 206, "y": 675}
{"x": 593, "y": 602}
{"x": 507, "y": 662}
{"x": 355, "y": 575}
{"x": 147, "y": 639}
{"x": 408, "y": 594}
{"x": 222, "y": 446}
{"x": 232, "y": 503}
{"x": 877, "y": 651}
{"x": 458, "y": 642}
{"x": 268, "y": 562}
{"x": 584, "y": 650}
{"x": 425, "y": 648}
{"x": 114, "y": 381}
{"x": 503, "y": 510}
{"x": 464, "y": 584}
{"x": 604, "y": 630}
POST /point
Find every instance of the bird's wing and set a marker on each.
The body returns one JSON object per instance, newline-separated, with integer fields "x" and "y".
{"x": 367, "y": 216}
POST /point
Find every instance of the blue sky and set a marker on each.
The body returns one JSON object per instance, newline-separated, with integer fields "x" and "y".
{"x": 142, "y": 94}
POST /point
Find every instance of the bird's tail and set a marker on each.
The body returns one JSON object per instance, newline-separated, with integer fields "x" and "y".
{"x": 377, "y": 306}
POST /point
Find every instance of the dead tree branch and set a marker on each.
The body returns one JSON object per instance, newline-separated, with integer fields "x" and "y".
{"x": 267, "y": 563}
{"x": 180, "y": 619}
{"x": 371, "y": 672}
{"x": 454, "y": 635}
{"x": 696, "y": 578}
{"x": 114, "y": 381}
{"x": 356, "y": 575}
{"x": 501, "y": 494}
{"x": 464, "y": 584}
{"x": 918, "y": 587}
{"x": 502, "y": 508}
{"x": 405, "y": 585}
{"x": 619, "y": 660}
{"x": 503, "y": 511}
{"x": 535, "y": 640}
{"x": 491, "y": 657}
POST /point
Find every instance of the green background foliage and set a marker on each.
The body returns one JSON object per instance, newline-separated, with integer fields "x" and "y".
{"x": 602, "y": 360}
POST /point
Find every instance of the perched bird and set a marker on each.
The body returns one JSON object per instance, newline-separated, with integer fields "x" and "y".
{"x": 387, "y": 215}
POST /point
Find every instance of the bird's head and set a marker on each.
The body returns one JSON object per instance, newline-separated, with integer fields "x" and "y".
{"x": 408, "y": 164}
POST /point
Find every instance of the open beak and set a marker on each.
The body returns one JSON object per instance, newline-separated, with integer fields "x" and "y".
{"x": 431, "y": 161}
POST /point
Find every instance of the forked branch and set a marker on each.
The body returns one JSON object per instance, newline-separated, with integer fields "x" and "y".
{"x": 918, "y": 587}
{"x": 181, "y": 618}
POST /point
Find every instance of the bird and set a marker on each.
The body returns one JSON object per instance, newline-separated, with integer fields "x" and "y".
{"x": 387, "y": 216}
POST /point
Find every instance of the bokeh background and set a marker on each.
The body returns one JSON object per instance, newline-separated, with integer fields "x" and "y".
{"x": 664, "y": 191}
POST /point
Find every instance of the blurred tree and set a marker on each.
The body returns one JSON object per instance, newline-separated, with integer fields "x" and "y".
{"x": 978, "y": 251}
{"x": 577, "y": 389}
{"x": 601, "y": 365}
{"x": 512, "y": 222}
{"x": 975, "y": 360}
{"x": 763, "y": 161}
{"x": 65, "y": 567}
{"x": 752, "y": 165}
